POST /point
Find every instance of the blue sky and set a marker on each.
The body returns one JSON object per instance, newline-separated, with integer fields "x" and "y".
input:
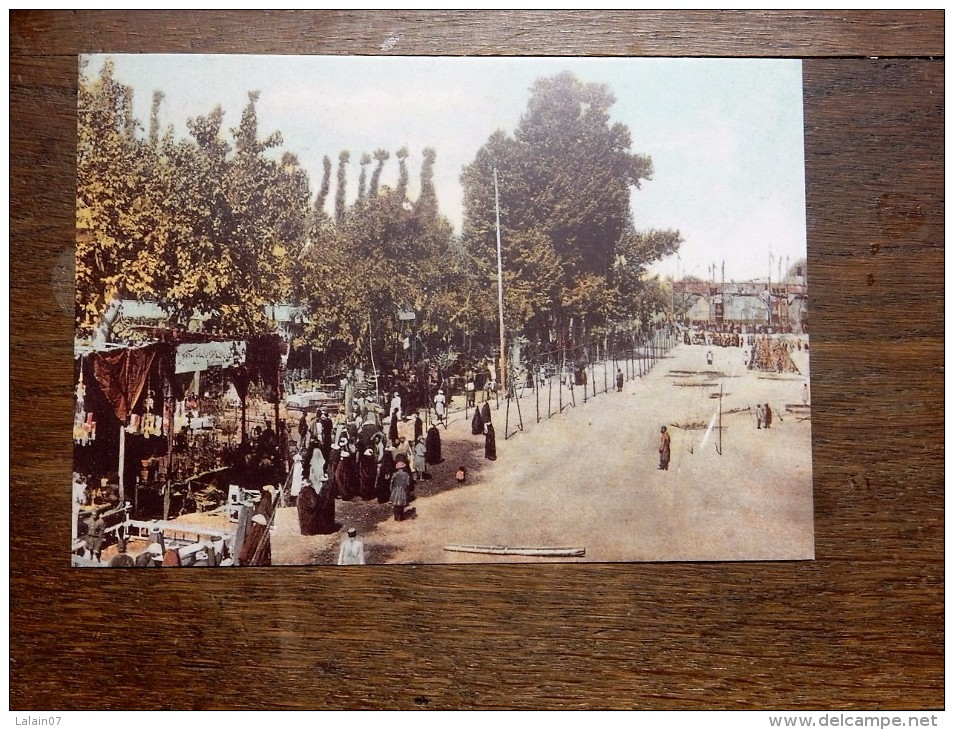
{"x": 725, "y": 135}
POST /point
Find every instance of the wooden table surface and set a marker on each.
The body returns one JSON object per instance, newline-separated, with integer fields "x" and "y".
{"x": 860, "y": 627}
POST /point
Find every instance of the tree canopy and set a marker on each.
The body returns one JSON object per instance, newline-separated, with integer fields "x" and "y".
{"x": 223, "y": 223}
{"x": 196, "y": 224}
{"x": 565, "y": 179}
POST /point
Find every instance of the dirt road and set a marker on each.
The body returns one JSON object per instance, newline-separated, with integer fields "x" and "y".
{"x": 588, "y": 477}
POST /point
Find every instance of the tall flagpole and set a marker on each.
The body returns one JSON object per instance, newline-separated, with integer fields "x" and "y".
{"x": 374, "y": 368}
{"x": 503, "y": 349}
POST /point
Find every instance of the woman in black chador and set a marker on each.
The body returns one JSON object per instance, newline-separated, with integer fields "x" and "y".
{"x": 433, "y": 452}
{"x": 326, "y": 506}
{"x": 346, "y": 475}
{"x": 490, "y": 442}
{"x": 316, "y": 509}
{"x": 476, "y": 423}
{"x": 382, "y": 485}
{"x": 307, "y": 504}
{"x": 393, "y": 428}
{"x": 367, "y": 472}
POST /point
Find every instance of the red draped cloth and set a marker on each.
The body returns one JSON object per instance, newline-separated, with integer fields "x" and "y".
{"x": 122, "y": 376}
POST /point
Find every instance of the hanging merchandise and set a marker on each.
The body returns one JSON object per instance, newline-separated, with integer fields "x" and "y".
{"x": 151, "y": 423}
{"x": 84, "y": 428}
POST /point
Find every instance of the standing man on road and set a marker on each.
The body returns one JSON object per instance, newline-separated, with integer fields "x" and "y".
{"x": 619, "y": 380}
{"x": 664, "y": 449}
{"x": 471, "y": 389}
{"x": 418, "y": 426}
{"x": 95, "y": 536}
{"x": 440, "y": 407}
{"x": 352, "y": 550}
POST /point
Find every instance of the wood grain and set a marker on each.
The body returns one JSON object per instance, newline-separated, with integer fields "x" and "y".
{"x": 860, "y": 627}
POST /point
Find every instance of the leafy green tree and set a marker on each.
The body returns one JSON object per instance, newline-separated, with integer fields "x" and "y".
{"x": 653, "y": 301}
{"x": 382, "y": 256}
{"x": 565, "y": 175}
{"x": 119, "y": 220}
{"x": 242, "y": 219}
{"x": 190, "y": 223}
{"x": 635, "y": 251}
{"x": 331, "y": 291}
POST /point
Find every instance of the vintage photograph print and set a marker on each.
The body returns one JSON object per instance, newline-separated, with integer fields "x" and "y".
{"x": 380, "y": 310}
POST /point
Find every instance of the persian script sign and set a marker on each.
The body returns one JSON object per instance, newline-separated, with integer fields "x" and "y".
{"x": 202, "y": 356}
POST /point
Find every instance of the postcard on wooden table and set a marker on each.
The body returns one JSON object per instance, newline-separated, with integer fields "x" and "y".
{"x": 367, "y": 310}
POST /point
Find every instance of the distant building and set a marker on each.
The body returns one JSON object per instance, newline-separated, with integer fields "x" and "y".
{"x": 749, "y": 305}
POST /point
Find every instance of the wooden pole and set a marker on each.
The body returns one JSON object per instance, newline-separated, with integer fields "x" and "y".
{"x": 507, "y": 417}
{"x": 550, "y": 396}
{"x": 122, "y": 464}
{"x": 374, "y": 369}
{"x": 720, "y": 419}
{"x": 169, "y": 407}
{"x": 278, "y": 393}
{"x": 536, "y": 391}
{"x": 519, "y": 413}
{"x": 503, "y": 348}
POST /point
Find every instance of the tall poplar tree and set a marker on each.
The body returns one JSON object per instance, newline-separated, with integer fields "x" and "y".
{"x": 363, "y": 179}
{"x": 380, "y": 156}
{"x": 402, "y": 173}
{"x": 325, "y": 182}
{"x": 427, "y": 200}
{"x": 340, "y": 193}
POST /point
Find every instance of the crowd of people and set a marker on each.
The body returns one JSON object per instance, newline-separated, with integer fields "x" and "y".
{"x": 367, "y": 458}
{"x": 356, "y": 459}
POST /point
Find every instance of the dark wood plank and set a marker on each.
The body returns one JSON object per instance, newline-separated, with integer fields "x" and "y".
{"x": 860, "y": 627}
{"x": 471, "y": 32}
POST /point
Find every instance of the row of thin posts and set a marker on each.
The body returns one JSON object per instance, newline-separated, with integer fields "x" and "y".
{"x": 639, "y": 361}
